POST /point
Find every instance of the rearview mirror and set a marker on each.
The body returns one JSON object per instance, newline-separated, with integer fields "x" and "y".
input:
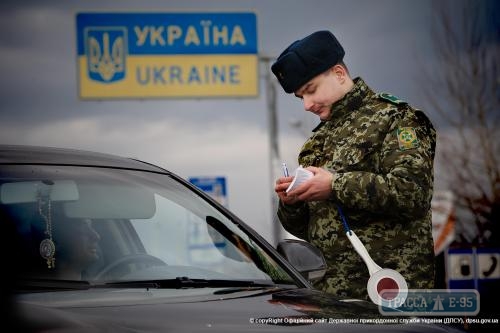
{"x": 306, "y": 258}
{"x": 23, "y": 192}
{"x": 84, "y": 200}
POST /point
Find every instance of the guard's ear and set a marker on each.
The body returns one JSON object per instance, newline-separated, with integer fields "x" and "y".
{"x": 339, "y": 72}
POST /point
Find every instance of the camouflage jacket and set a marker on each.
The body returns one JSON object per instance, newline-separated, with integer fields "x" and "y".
{"x": 381, "y": 151}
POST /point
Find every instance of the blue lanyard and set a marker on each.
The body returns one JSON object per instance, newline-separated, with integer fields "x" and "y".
{"x": 344, "y": 220}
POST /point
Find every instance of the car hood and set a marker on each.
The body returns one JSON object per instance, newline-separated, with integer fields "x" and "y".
{"x": 197, "y": 310}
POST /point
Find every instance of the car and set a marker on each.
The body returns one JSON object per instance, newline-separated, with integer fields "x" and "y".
{"x": 97, "y": 242}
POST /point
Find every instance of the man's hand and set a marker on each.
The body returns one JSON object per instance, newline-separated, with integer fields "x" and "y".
{"x": 319, "y": 187}
{"x": 280, "y": 189}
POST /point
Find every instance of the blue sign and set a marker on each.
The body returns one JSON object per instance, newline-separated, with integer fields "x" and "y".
{"x": 206, "y": 249}
{"x": 213, "y": 186}
{"x": 474, "y": 268}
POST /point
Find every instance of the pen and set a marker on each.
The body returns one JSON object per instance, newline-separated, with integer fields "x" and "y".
{"x": 285, "y": 169}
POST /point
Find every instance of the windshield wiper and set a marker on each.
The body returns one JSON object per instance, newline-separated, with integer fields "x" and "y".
{"x": 185, "y": 282}
{"x": 50, "y": 285}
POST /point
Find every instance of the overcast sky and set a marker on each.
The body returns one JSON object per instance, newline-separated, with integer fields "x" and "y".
{"x": 386, "y": 43}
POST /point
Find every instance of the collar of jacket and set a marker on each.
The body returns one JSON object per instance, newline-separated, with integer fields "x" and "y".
{"x": 352, "y": 101}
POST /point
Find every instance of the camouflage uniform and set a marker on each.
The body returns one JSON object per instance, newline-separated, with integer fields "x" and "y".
{"x": 381, "y": 152}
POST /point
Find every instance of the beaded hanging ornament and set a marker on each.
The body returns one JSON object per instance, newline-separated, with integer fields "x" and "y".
{"x": 47, "y": 246}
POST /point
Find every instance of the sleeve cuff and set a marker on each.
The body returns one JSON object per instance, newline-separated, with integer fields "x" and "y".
{"x": 335, "y": 186}
{"x": 291, "y": 208}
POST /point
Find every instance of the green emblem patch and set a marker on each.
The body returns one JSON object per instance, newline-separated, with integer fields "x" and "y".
{"x": 391, "y": 98}
{"x": 407, "y": 138}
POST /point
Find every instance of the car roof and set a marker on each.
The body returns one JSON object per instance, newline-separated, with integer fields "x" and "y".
{"x": 25, "y": 154}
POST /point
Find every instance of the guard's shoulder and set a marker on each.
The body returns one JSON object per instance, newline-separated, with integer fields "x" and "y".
{"x": 423, "y": 119}
{"x": 390, "y": 98}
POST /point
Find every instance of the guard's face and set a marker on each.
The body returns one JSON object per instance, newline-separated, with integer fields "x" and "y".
{"x": 320, "y": 93}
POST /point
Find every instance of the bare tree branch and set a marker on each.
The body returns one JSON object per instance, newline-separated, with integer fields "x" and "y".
{"x": 464, "y": 91}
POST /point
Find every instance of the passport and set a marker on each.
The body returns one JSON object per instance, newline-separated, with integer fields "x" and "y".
{"x": 301, "y": 175}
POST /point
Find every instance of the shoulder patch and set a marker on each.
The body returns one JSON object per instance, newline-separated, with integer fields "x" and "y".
{"x": 407, "y": 138}
{"x": 391, "y": 98}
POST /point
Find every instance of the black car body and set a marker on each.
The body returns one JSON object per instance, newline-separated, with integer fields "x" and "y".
{"x": 155, "y": 254}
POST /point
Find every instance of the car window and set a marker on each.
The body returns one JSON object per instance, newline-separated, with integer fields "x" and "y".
{"x": 89, "y": 223}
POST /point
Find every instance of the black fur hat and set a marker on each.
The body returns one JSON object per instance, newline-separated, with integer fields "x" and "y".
{"x": 306, "y": 58}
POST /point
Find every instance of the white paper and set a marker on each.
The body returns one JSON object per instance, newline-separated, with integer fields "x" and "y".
{"x": 301, "y": 175}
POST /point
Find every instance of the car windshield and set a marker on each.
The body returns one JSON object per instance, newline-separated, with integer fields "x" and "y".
{"x": 106, "y": 224}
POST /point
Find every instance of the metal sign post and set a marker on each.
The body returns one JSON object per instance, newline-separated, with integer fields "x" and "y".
{"x": 274, "y": 153}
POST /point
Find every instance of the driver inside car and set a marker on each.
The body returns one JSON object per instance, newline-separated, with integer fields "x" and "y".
{"x": 51, "y": 245}
{"x": 76, "y": 248}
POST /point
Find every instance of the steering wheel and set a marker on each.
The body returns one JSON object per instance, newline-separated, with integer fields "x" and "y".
{"x": 132, "y": 258}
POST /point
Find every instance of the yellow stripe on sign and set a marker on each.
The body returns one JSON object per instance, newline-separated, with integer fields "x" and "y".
{"x": 174, "y": 76}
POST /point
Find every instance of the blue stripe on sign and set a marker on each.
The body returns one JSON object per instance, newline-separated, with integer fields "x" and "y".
{"x": 177, "y": 33}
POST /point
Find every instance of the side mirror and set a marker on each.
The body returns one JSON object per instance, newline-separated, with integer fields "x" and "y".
{"x": 306, "y": 258}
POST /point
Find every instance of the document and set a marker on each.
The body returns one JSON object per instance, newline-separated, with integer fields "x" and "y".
{"x": 301, "y": 175}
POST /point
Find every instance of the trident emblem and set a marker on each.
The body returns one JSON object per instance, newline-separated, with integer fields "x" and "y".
{"x": 106, "y": 52}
